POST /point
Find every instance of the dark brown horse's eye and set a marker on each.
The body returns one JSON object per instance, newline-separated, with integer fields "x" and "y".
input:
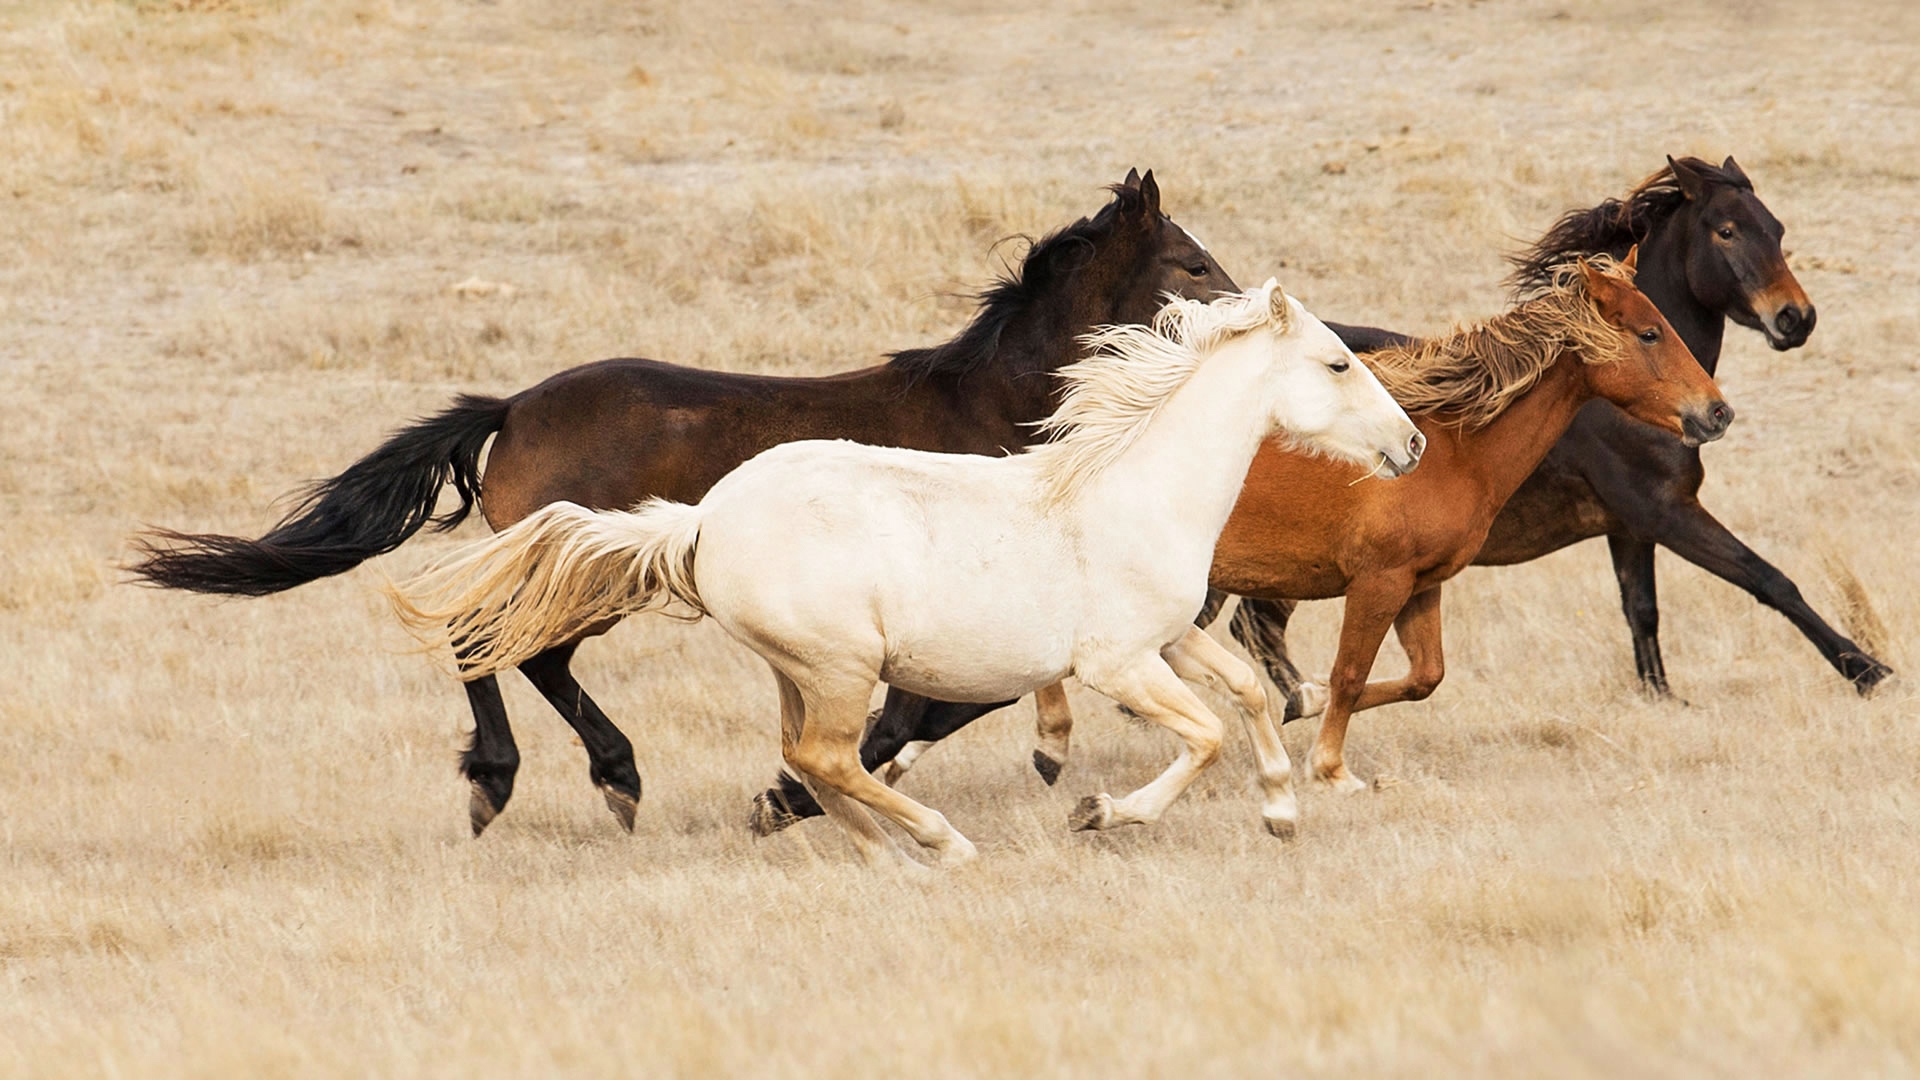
{"x": 1199, "y": 270}
{"x": 1725, "y": 231}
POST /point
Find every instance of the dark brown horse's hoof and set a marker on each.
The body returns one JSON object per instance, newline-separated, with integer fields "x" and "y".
{"x": 624, "y": 806}
{"x": 480, "y": 808}
{"x": 768, "y": 816}
{"x": 1048, "y": 768}
{"x": 1871, "y": 679}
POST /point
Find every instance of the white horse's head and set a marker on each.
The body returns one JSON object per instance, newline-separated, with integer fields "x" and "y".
{"x": 1323, "y": 399}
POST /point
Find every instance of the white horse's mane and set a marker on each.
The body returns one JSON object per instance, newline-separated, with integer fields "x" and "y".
{"x": 1115, "y": 392}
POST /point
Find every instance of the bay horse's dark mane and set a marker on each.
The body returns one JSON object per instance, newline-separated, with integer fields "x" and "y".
{"x": 1613, "y": 226}
{"x": 1016, "y": 291}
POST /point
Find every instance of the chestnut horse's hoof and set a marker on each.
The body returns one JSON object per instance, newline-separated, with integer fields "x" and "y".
{"x": 624, "y": 806}
{"x": 769, "y": 815}
{"x": 1093, "y": 812}
{"x": 1048, "y": 768}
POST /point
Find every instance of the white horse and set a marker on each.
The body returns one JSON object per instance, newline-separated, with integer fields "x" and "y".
{"x": 966, "y": 578}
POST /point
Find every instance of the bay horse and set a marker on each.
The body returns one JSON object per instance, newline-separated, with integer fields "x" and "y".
{"x": 961, "y": 576}
{"x": 613, "y": 433}
{"x": 1709, "y": 254}
{"x": 1491, "y": 399}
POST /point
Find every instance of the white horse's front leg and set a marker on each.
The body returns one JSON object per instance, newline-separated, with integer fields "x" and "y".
{"x": 1199, "y": 658}
{"x": 1151, "y": 689}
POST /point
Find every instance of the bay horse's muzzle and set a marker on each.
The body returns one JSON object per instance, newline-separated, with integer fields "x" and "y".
{"x": 1790, "y": 326}
{"x": 1706, "y": 424}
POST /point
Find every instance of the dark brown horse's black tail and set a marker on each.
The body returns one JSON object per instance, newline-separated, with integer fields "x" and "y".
{"x": 369, "y": 510}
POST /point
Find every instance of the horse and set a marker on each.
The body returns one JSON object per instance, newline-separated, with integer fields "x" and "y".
{"x": 967, "y": 577}
{"x": 1710, "y": 254}
{"x": 1492, "y": 399}
{"x": 613, "y": 433}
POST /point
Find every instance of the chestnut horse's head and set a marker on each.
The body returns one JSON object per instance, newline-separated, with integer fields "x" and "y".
{"x": 1656, "y": 378}
{"x": 1731, "y": 249}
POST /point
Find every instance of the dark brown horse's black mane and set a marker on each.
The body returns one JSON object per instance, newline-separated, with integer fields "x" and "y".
{"x": 1017, "y": 291}
{"x": 1614, "y": 225}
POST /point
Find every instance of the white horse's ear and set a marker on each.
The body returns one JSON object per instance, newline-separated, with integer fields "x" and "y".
{"x": 1277, "y": 304}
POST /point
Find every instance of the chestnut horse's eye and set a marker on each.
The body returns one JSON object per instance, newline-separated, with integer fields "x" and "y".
{"x": 1649, "y": 336}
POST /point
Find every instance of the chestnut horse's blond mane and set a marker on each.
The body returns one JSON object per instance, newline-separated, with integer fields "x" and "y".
{"x": 1130, "y": 372}
{"x": 1475, "y": 372}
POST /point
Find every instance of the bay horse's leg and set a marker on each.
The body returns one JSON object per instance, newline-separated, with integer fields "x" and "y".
{"x": 1151, "y": 689}
{"x": 1640, "y": 601}
{"x": 827, "y": 752}
{"x": 1698, "y": 537}
{"x": 1373, "y": 603}
{"x": 1199, "y": 658}
{"x": 491, "y": 760}
{"x": 1053, "y": 726}
{"x": 1418, "y": 627}
{"x": 609, "y": 754}
{"x": 1261, "y": 626}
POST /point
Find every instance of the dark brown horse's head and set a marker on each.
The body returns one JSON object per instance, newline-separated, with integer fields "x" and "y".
{"x": 1732, "y": 251}
{"x": 1151, "y": 257}
{"x": 1655, "y": 378}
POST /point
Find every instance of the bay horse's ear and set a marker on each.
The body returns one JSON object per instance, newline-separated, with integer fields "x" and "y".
{"x": 1278, "y": 307}
{"x": 1738, "y": 173}
{"x": 1132, "y": 180}
{"x": 1150, "y": 193}
{"x": 1691, "y": 184}
{"x": 1632, "y": 261}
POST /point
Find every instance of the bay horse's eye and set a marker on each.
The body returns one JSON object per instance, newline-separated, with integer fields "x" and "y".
{"x": 1198, "y": 270}
{"x": 1649, "y": 336}
{"x": 1725, "y": 232}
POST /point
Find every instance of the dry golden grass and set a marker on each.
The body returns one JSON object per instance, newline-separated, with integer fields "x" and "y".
{"x": 234, "y": 841}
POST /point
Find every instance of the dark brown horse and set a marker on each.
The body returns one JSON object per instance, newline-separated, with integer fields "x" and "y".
{"x": 611, "y": 434}
{"x": 1709, "y": 252}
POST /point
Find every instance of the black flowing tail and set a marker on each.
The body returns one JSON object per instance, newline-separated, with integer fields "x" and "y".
{"x": 372, "y": 508}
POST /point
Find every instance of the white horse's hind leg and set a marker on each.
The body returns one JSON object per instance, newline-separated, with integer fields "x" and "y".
{"x": 1053, "y": 724}
{"x": 1151, "y": 689}
{"x": 828, "y": 752}
{"x": 1201, "y": 659}
{"x": 874, "y": 845}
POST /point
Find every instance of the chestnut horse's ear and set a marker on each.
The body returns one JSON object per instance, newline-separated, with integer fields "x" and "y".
{"x": 1632, "y": 261}
{"x": 1132, "y": 180}
{"x": 1739, "y": 174}
{"x": 1691, "y": 184}
{"x": 1150, "y": 191}
{"x": 1278, "y": 307}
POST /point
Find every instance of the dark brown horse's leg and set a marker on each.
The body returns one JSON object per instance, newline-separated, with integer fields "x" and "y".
{"x": 1633, "y": 568}
{"x": 1698, "y": 537}
{"x": 609, "y": 754}
{"x": 492, "y": 759}
{"x": 1261, "y": 626}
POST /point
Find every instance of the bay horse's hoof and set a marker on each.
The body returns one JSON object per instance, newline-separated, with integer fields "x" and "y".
{"x": 768, "y": 815}
{"x": 1871, "y": 678}
{"x": 1093, "y": 812}
{"x": 480, "y": 808}
{"x": 1048, "y": 768}
{"x": 624, "y": 806}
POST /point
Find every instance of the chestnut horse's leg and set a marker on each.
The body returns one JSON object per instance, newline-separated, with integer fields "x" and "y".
{"x": 1261, "y": 626}
{"x": 1698, "y": 537}
{"x": 1418, "y": 627}
{"x": 491, "y": 759}
{"x": 1639, "y": 599}
{"x": 609, "y": 754}
{"x": 1373, "y": 603}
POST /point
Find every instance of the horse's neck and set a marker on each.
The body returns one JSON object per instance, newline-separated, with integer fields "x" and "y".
{"x": 1662, "y": 276}
{"x": 1508, "y": 449}
{"x": 1177, "y": 483}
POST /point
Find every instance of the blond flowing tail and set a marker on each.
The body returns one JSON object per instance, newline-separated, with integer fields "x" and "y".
{"x": 549, "y": 578}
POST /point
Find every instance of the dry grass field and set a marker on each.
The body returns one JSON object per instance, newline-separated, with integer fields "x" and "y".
{"x": 232, "y": 838}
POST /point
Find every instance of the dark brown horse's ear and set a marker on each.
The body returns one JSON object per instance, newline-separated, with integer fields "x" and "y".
{"x": 1733, "y": 168}
{"x": 1150, "y": 192}
{"x": 1133, "y": 179}
{"x": 1691, "y": 185}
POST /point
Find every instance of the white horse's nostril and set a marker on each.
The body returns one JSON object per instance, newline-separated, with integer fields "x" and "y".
{"x": 1416, "y": 446}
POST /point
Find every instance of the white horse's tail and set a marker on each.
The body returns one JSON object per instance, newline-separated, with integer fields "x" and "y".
{"x": 551, "y": 577}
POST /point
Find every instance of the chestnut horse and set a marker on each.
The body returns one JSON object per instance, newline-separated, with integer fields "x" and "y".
{"x": 614, "y": 433}
{"x": 1491, "y": 400}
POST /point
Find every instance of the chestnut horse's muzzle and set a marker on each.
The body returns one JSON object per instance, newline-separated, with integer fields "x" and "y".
{"x": 1703, "y": 425}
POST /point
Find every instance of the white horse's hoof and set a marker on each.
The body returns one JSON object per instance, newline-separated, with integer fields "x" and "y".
{"x": 1047, "y": 766}
{"x": 1093, "y": 812}
{"x": 1283, "y": 828}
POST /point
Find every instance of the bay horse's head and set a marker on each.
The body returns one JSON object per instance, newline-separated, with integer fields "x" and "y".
{"x": 1139, "y": 257}
{"x": 1733, "y": 260}
{"x": 1652, "y": 375}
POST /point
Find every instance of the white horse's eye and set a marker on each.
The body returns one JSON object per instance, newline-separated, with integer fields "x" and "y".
{"x": 1339, "y": 366}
